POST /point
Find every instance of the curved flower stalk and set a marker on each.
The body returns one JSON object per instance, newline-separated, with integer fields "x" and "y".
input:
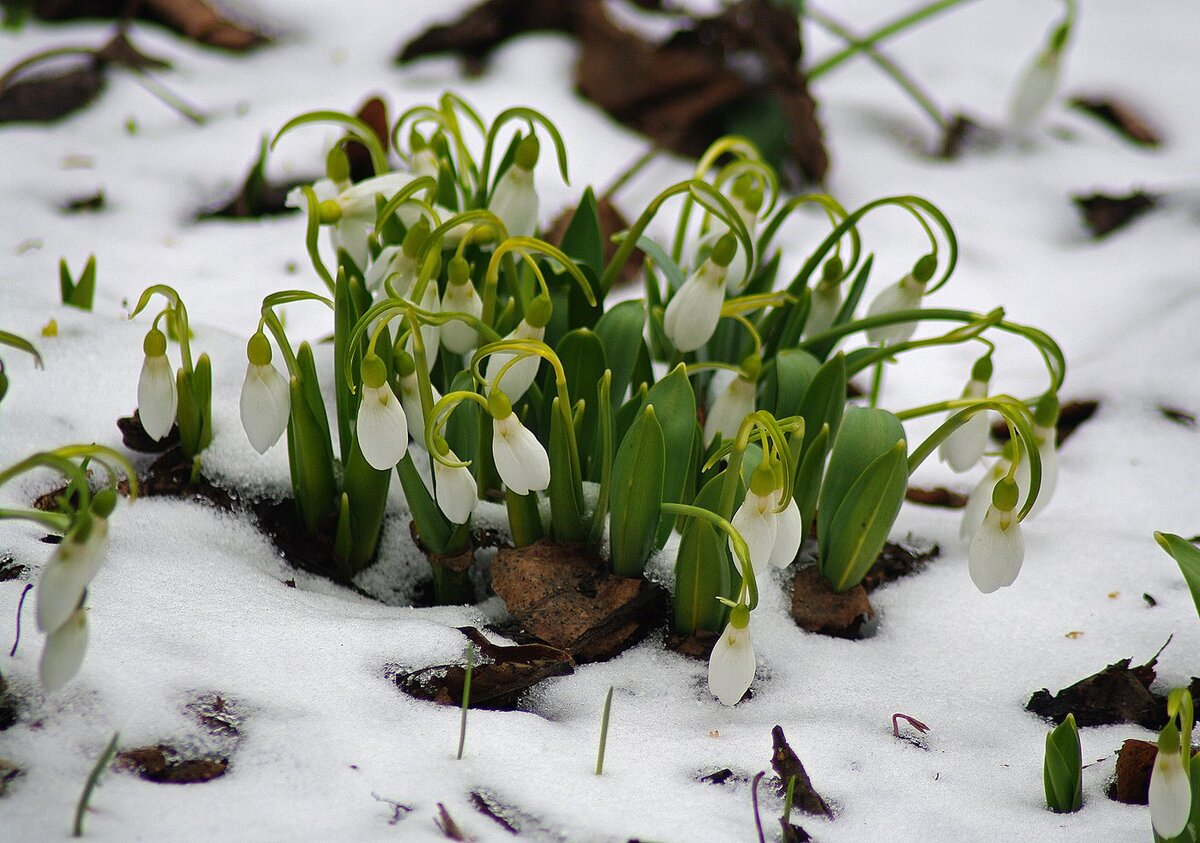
{"x": 266, "y": 398}
{"x": 21, "y": 344}
{"x": 692, "y": 314}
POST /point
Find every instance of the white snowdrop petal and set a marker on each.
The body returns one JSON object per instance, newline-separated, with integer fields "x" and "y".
{"x": 1035, "y": 90}
{"x": 732, "y": 405}
{"x": 521, "y": 461}
{"x": 515, "y": 202}
{"x": 265, "y": 405}
{"x": 731, "y": 665}
{"x": 826, "y": 302}
{"x": 787, "y": 535}
{"x": 157, "y": 398}
{"x": 59, "y": 590}
{"x": 517, "y": 380}
{"x": 905, "y": 294}
{"x": 414, "y": 410}
{"x": 980, "y": 499}
{"x": 965, "y": 446}
{"x": 382, "y": 428}
{"x": 692, "y": 315}
{"x": 357, "y": 202}
{"x": 996, "y": 552}
{"x": 458, "y": 336}
{"x": 457, "y": 493}
{"x": 756, "y": 524}
{"x": 63, "y": 653}
{"x": 1170, "y": 795}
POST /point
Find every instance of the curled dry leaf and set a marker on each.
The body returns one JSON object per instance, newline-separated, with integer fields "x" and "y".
{"x": 1121, "y": 117}
{"x": 1117, "y": 694}
{"x": 786, "y": 765}
{"x": 1105, "y": 213}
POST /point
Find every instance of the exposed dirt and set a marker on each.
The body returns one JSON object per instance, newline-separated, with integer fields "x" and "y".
{"x": 165, "y": 764}
{"x": 816, "y": 607}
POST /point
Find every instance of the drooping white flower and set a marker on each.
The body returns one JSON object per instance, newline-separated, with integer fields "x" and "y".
{"x": 980, "y": 499}
{"x": 905, "y": 294}
{"x": 521, "y": 375}
{"x": 266, "y": 398}
{"x": 1048, "y": 454}
{"x": 521, "y": 461}
{"x": 157, "y": 396}
{"x": 965, "y": 446}
{"x": 410, "y": 400}
{"x": 1035, "y": 89}
{"x": 382, "y": 428}
{"x": 997, "y": 550}
{"x": 693, "y": 312}
{"x": 787, "y": 534}
{"x": 1170, "y": 792}
{"x": 826, "y": 302}
{"x": 772, "y": 537}
{"x": 514, "y": 199}
{"x": 63, "y": 653}
{"x": 732, "y": 663}
{"x": 730, "y": 408}
{"x": 431, "y": 335}
{"x": 73, "y": 565}
{"x": 455, "y": 489}
{"x": 460, "y": 297}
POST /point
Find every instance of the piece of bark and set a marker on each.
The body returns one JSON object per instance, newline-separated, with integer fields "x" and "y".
{"x": 685, "y": 92}
{"x": 786, "y": 764}
{"x": 195, "y": 19}
{"x": 1104, "y": 213}
{"x": 44, "y": 99}
{"x": 563, "y": 595}
{"x": 1070, "y": 416}
{"x": 167, "y": 765}
{"x": 816, "y": 607}
{"x": 938, "y": 496}
{"x": 503, "y": 673}
{"x": 1135, "y": 760}
{"x": 1121, "y": 117}
{"x": 896, "y": 561}
{"x": 1117, "y": 694}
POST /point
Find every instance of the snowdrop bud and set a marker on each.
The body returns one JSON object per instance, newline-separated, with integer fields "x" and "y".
{"x": 514, "y": 200}
{"x": 64, "y": 651}
{"x": 521, "y": 375}
{"x": 266, "y": 398}
{"x": 965, "y": 446}
{"x": 329, "y": 212}
{"x": 732, "y": 663}
{"x": 1170, "y": 790}
{"x": 157, "y": 398}
{"x": 693, "y": 312}
{"x": 337, "y": 166}
{"x": 457, "y": 493}
{"x": 382, "y": 428}
{"x": 997, "y": 550}
{"x": 521, "y": 461}
{"x": 732, "y": 404}
{"x": 74, "y": 564}
{"x": 905, "y": 294}
{"x": 460, "y": 297}
{"x": 422, "y": 160}
{"x": 1036, "y": 88}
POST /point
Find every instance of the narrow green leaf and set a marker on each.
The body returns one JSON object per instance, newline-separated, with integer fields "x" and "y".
{"x": 673, "y": 271}
{"x": 66, "y": 285}
{"x": 583, "y": 359}
{"x": 637, "y": 494}
{"x": 862, "y": 522}
{"x": 865, "y": 434}
{"x": 788, "y": 377}
{"x": 675, "y": 406}
{"x": 582, "y": 239}
{"x": 462, "y": 429}
{"x": 702, "y": 569}
{"x": 524, "y": 519}
{"x": 824, "y": 401}
{"x": 1062, "y": 772}
{"x": 565, "y": 492}
{"x": 1187, "y": 556}
{"x": 620, "y": 332}
{"x": 432, "y": 527}
{"x": 364, "y": 495}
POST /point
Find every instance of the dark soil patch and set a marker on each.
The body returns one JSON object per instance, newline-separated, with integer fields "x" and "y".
{"x": 564, "y": 595}
{"x": 194, "y": 19}
{"x": 10, "y": 711}
{"x": 165, "y": 764}
{"x": 698, "y": 645}
{"x": 896, "y": 561}
{"x": 816, "y": 607}
{"x": 1117, "y": 694}
{"x": 10, "y": 569}
{"x": 135, "y": 437}
{"x": 1135, "y": 761}
{"x": 216, "y": 714}
{"x": 937, "y": 496}
{"x": 1121, "y": 117}
{"x": 508, "y": 817}
{"x": 718, "y": 776}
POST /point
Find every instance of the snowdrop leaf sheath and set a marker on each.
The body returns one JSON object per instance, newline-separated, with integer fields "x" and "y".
{"x": 731, "y": 665}
{"x": 381, "y": 427}
{"x": 63, "y": 653}
{"x": 265, "y": 405}
{"x": 636, "y": 494}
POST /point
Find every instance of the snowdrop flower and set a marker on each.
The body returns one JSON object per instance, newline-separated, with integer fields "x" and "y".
{"x": 399, "y": 263}
{"x": 157, "y": 398}
{"x": 460, "y": 297}
{"x": 71, "y": 568}
{"x": 455, "y": 488}
{"x": 381, "y": 428}
{"x": 1045, "y": 432}
{"x": 266, "y": 397}
{"x": 772, "y": 537}
{"x": 826, "y": 302}
{"x": 1038, "y": 83}
{"x": 521, "y": 375}
{"x": 965, "y": 446}
{"x": 64, "y": 651}
{"x": 410, "y": 396}
{"x": 521, "y": 461}
{"x": 693, "y": 312}
{"x": 732, "y": 663}
{"x": 905, "y": 294}
{"x": 514, "y": 199}
{"x": 733, "y": 403}
{"x": 997, "y": 550}
{"x": 431, "y": 334}
{"x": 1170, "y": 790}
{"x": 422, "y": 160}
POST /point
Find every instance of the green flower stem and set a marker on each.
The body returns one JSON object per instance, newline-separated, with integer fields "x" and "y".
{"x": 272, "y": 323}
{"x": 604, "y": 406}
{"x": 524, "y": 518}
{"x": 102, "y": 764}
{"x": 312, "y": 229}
{"x": 356, "y": 128}
{"x": 970, "y": 331}
{"x": 749, "y": 587}
{"x": 899, "y": 24}
{"x": 422, "y": 363}
{"x": 527, "y": 246}
{"x": 406, "y": 194}
{"x": 56, "y": 521}
{"x": 440, "y": 414}
{"x": 21, "y": 344}
{"x": 833, "y": 209}
{"x": 741, "y": 148}
{"x": 692, "y": 187}
{"x": 1016, "y": 415}
{"x": 178, "y": 311}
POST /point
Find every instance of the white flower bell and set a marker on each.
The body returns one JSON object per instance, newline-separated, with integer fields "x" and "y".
{"x": 772, "y": 536}
{"x": 157, "y": 395}
{"x": 520, "y": 459}
{"x": 410, "y": 397}
{"x": 454, "y": 487}
{"x": 732, "y": 404}
{"x": 980, "y": 499}
{"x": 826, "y": 300}
{"x": 63, "y": 653}
{"x": 905, "y": 294}
{"x": 514, "y": 199}
{"x": 520, "y": 376}
{"x": 732, "y": 663}
{"x": 1170, "y": 791}
{"x": 266, "y": 398}
{"x": 1037, "y": 85}
{"x": 460, "y": 297}
{"x": 965, "y": 446}
{"x": 693, "y": 312}
{"x": 382, "y": 428}
{"x": 73, "y": 565}
{"x": 997, "y": 549}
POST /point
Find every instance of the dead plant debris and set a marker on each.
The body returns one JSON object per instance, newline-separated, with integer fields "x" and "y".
{"x": 1104, "y": 213}
{"x": 1121, "y": 117}
{"x": 937, "y": 496}
{"x": 194, "y": 19}
{"x": 164, "y": 764}
{"x": 1135, "y": 760}
{"x": 1117, "y": 694}
{"x": 816, "y": 607}
{"x": 787, "y": 765}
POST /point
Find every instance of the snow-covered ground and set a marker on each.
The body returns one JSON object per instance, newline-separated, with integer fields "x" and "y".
{"x": 193, "y": 602}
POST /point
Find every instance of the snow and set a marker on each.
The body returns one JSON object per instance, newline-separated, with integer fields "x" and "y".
{"x": 193, "y": 602}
